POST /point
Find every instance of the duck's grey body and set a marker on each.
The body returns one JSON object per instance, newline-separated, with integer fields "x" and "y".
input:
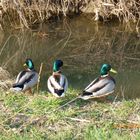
{"x": 99, "y": 87}
{"x": 25, "y": 80}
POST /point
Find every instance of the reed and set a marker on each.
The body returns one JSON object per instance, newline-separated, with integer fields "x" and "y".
{"x": 28, "y": 12}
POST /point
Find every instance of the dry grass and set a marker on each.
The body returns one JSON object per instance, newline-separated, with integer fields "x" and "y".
{"x": 27, "y": 13}
{"x": 124, "y": 10}
{"x": 5, "y": 79}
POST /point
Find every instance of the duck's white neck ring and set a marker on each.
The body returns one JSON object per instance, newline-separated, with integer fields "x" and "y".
{"x": 104, "y": 75}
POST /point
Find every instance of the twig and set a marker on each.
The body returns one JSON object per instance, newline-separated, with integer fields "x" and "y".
{"x": 79, "y": 120}
{"x": 39, "y": 75}
{"x": 122, "y": 92}
{"x": 131, "y": 58}
{"x": 116, "y": 97}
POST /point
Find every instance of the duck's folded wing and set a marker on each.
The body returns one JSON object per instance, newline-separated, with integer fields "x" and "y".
{"x": 50, "y": 85}
{"x": 53, "y": 84}
{"x": 20, "y": 80}
{"x": 20, "y": 75}
{"x": 101, "y": 91}
{"x": 24, "y": 78}
{"x": 31, "y": 81}
{"x": 64, "y": 82}
{"x": 107, "y": 88}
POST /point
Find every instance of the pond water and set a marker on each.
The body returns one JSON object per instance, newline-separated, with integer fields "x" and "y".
{"x": 83, "y": 45}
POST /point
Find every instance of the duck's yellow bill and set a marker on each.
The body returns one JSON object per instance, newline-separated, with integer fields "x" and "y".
{"x": 113, "y": 71}
{"x": 24, "y": 65}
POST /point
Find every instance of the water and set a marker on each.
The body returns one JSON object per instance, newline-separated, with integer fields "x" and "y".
{"x": 83, "y": 46}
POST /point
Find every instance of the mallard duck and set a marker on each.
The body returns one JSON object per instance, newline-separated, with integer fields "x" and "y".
{"x": 26, "y": 79}
{"x": 57, "y": 82}
{"x": 101, "y": 86}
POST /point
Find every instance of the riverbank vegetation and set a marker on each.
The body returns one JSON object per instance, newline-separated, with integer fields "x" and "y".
{"x": 24, "y": 13}
{"x": 42, "y": 117}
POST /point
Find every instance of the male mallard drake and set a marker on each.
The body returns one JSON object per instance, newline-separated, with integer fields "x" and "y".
{"x": 26, "y": 79}
{"x": 101, "y": 86}
{"x": 57, "y": 82}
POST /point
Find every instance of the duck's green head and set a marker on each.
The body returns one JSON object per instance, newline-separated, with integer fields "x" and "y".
{"x": 29, "y": 64}
{"x": 106, "y": 68}
{"x": 56, "y": 65}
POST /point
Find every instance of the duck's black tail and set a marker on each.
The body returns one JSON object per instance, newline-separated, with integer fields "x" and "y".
{"x": 18, "y": 86}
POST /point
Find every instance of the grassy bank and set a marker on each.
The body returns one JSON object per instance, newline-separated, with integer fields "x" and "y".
{"x": 38, "y": 117}
{"x": 27, "y": 12}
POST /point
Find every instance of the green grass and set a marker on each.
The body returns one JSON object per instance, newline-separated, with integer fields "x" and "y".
{"x": 37, "y": 117}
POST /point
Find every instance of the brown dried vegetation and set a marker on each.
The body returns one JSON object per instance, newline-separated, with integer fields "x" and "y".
{"x": 27, "y": 12}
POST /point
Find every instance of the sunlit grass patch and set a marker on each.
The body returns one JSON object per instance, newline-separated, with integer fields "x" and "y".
{"x": 44, "y": 116}
{"x": 15, "y": 101}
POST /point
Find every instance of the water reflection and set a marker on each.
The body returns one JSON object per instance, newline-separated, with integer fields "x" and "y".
{"x": 83, "y": 46}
